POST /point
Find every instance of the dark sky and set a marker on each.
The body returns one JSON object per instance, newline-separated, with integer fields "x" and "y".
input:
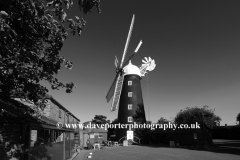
{"x": 195, "y": 45}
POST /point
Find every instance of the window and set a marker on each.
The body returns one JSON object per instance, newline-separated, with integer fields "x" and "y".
{"x": 195, "y": 135}
{"x": 129, "y": 94}
{"x": 55, "y": 136}
{"x": 67, "y": 118}
{"x": 129, "y": 106}
{"x": 52, "y": 136}
{"x": 129, "y": 119}
{"x": 37, "y": 137}
{"x": 100, "y": 136}
{"x": 59, "y": 136}
{"x": 129, "y": 83}
{"x": 60, "y": 114}
{"x": 92, "y": 135}
{"x": 47, "y": 136}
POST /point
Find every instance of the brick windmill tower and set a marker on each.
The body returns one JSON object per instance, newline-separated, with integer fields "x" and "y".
{"x": 126, "y": 89}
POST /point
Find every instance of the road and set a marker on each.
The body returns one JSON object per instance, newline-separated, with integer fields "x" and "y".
{"x": 156, "y": 153}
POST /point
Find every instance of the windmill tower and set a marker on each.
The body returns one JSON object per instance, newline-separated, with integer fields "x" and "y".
{"x": 126, "y": 88}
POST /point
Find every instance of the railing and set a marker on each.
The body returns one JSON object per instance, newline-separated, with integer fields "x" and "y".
{"x": 137, "y": 138}
{"x": 121, "y": 139}
{"x": 133, "y": 139}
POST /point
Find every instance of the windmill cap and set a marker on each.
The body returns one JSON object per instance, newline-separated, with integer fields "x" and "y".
{"x": 131, "y": 69}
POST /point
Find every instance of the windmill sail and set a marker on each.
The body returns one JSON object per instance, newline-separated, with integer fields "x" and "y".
{"x": 119, "y": 66}
{"x": 117, "y": 92}
{"x": 111, "y": 90}
{"x": 149, "y": 65}
{"x": 116, "y": 87}
{"x": 116, "y": 62}
{"x": 128, "y": 40}
{"x": 136, "y": 50}
{"x": 143, "y": 69}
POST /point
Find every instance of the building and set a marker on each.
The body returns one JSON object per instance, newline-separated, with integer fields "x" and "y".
{"x": 94, "y": 135}
{"x": 37, "y": 129}
{"x": 184, "y": 137}
{"x": 131, "y": 100}
{"x": 231, "y": 132}
{"x": 97, "y": 135}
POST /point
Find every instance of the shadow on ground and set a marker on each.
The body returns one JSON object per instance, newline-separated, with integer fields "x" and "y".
{"x": 219, "y": 146}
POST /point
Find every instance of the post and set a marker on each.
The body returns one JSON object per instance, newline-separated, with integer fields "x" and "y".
{"x": 69, "y": 144}
{"x": 25, "y": 129}
{"x": 64, "y": 145}
{"x": 79, "y": 138}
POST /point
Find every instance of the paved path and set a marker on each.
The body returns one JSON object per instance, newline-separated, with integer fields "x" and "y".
{"x": 82, "y": 155}
{"x": 227, "y": 143}
{"x": 154, "y": 153}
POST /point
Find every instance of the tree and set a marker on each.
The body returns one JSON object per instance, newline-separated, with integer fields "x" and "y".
{"x": 32, "y": 33}
{"x": 148, "y": 122}
{"x": 162, "y": 120}
{"x": 195, "y": 114}
{"x": 115, "y": 121}
{"x": 112, "y": 131}
{"x": 139, "y": 117}
{"x": 238, "y": 118}
{"x": 100, "y": 119}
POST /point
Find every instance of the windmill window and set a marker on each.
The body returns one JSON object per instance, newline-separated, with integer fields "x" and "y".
{"x": 129, "y": 119}
{"x": 129, "y": 94}
{"x": 129, "y": 106}
{"x": 129, "y": 83}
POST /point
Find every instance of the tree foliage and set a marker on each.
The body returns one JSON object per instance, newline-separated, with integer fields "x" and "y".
{"x": 11, "y": 128}
{"x": 162, "y": 120}
{"x": 238, "y": 118}
{"x": 112, "y": 131}
{"x": 32, "y": 33}
{"x": 100, "y": 119}
{"x": 139, "y": 117}
{"x": 196, "y": 114}
{"x": 115, "y": 121}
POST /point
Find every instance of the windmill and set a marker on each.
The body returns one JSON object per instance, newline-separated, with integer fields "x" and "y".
{"x": 126, "y": 87}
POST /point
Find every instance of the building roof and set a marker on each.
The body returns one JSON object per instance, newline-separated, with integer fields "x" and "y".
{"x": 131, "y": 69}
{"x": 22, "y": 111}
{"x": 227, "y": 127}
{"x": 61, "y": 106}
{"x": 181, "y": 130}
{"x": 95, "y": 130}
{"x": 31, "y": 104}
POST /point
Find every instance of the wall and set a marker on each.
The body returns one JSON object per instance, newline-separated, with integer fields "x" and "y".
{"x": 54, "y": 112}
{"x": 48, "y": 144}
{"x": 96, "y": 137}
{"x": 81, "y": 136}
{"x": 85, "y": 138}
{"x": 136, "y": 100}
{"x": 229, "y": 132}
